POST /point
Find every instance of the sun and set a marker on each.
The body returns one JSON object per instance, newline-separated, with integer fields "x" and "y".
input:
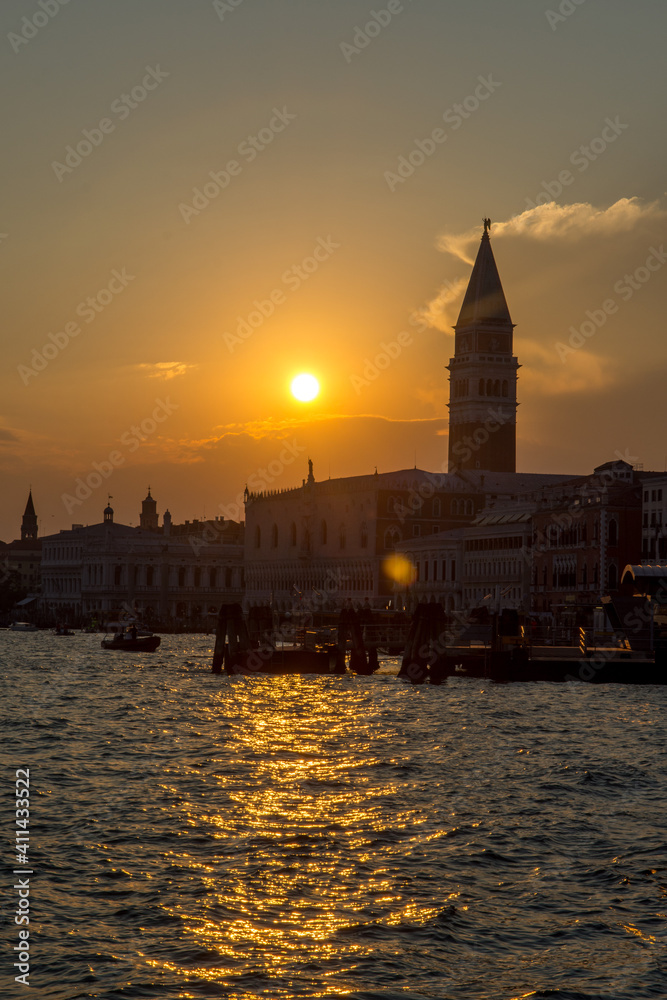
{"x": 305, "y": 387}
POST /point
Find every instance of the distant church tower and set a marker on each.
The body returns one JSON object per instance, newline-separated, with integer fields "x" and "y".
{"x": 148, "y": 518}
{"x": 483, "y": 374}
{"x": 29, "y": 522}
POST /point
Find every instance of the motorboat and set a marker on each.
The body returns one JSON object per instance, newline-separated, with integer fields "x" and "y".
{"x": 22, "y": 627}
{"x": 132, "y": 638}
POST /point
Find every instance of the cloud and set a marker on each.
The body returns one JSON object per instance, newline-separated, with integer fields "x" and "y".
{"x": 188, "y": 451}
{"x": 558, "y": 222}
{"x": 442, "y": 311}
{"x": 545, "y": 374}
{"x": 166, "y": 369}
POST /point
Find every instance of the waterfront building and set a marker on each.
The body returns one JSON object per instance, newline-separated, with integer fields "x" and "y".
{"x": 584, "y": 534}
{"x": 177, "y": 573}
{"x": 21, "y": 558}
{"x": 326, "y": 542}
{"x": 654, "y": 520}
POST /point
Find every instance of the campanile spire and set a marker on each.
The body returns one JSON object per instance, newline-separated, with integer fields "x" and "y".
{"x": 483, "y": 373}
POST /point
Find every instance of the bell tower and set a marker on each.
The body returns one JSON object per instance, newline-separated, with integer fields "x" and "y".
{"x": 483, "y": 373}
{"x": 148, "y": 518}
{"x": 29, "y": 521}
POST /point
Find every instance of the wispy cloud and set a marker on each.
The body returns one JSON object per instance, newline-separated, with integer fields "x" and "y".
{"x": 166, "y": 369}
{"x": 544, "y": 375}
{"x": 196, "y": 450}
{"x": 558, "y": 222}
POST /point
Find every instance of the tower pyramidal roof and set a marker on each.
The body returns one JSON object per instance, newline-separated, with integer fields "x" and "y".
{"x": 484, "y": 300}
{"x": 30, "y": 507}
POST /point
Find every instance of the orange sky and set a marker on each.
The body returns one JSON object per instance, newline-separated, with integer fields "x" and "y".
{"x": 173, "y": 321}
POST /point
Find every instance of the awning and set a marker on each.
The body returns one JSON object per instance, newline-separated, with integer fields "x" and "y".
{"x": 646, "y": 579}
{"x": 26, "y": 600}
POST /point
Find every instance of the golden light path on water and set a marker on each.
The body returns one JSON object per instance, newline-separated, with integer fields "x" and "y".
{"x": 296, "y": 837}
{"x": 201, "y": 836}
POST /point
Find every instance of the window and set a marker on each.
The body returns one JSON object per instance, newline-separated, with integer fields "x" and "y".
{"x": 341, "y": 537}
{"x": 197, "y": 577}
{"x": 436, "y": 507}
{"x": 323, "y": 533}
{"x": 274, "y": 536}
{"x": 453, "y": 577}
{"x": 292, "y": 533}
{"x": 181, "y": 577}
{"x": 117, "y": 575}
{"x": 149, "y": 576}
{"x": 425, "y": 568}
{"x": 258, "y": 537}
{"x": 505, "y": 387}
{"x": 212, "y": 577}
{"x": 613, "y": 577}
{"x": 364, "y": 535}
{"x": 659, "y": 494}
{"x": 613, "y": 533}
{"x": 481, "y": 387}
{"x": 416, "y": 530}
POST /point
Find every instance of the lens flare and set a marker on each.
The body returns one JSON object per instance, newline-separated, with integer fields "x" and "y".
{"x": 400, "y": 570}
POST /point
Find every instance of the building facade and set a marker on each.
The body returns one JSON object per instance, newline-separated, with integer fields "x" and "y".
{"x": 170, "y": 574}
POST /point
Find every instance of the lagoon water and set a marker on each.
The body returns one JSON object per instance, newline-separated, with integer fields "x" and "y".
{"x": 203, "y": 836}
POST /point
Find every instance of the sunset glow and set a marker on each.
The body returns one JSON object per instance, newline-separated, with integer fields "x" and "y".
{"x": 305, "y": 388}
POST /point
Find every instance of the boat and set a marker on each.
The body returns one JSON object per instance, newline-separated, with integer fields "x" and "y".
{"x": 62, "y": 630}
{"x": 22, "y": 627}
{"x": 132, "y": 639}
